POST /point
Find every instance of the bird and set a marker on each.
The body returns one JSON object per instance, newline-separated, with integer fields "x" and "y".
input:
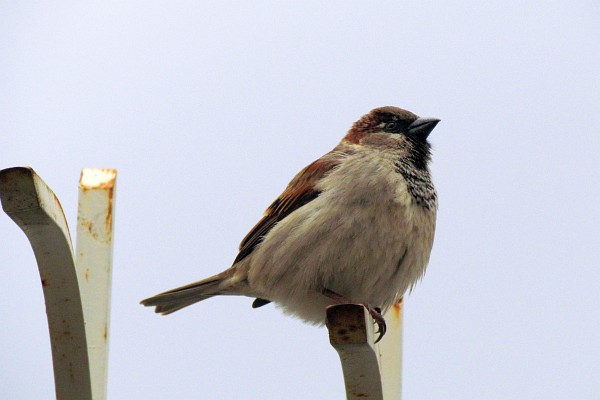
{"x": 355, "y": 226}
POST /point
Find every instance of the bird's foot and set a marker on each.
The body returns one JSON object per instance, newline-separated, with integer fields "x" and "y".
{"x": 378, "y": 318}
{"x": 375, "y": 312}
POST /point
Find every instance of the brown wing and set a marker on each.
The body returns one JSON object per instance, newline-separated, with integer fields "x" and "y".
{"x": 300, "y": 191}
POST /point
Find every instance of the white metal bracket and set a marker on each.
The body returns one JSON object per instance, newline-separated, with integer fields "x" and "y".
{"x": 77, "y": 294}
{"x": 370, "y": 370}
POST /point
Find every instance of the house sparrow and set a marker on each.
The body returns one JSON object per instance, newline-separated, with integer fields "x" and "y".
{"x": 355, "y": 226}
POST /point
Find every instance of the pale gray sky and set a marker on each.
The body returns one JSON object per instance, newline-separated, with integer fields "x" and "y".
{"x": 207, "y": 109}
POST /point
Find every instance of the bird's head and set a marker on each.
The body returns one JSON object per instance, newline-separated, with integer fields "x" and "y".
{"x": 394, "y": 128}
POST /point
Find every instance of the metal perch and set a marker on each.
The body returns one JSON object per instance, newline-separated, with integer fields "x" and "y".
{"x": 370, "y": 370}
{"x": 77, "y": 294}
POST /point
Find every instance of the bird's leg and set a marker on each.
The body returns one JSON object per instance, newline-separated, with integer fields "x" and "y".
{"x": 375, "y": 312}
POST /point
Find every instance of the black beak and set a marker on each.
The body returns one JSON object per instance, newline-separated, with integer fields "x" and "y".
{"x": 422, "y": 127}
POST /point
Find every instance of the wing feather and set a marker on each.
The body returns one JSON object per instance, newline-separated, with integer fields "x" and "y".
{"x": 299, "y": 192}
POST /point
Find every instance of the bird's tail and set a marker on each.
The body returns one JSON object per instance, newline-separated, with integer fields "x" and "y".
{"x": 173, "y": 300}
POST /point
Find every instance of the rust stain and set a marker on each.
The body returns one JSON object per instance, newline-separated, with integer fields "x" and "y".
{"x": 59, "y": 207}
{"x": 105, "y": 332}
{"x": 398, "y": 308}
{"x": 88, "y": 225}
{"x": 87, "y": 275}
{"x": 57, "y": 201}
{"x": 103, "y": 179}
{"x": 71, "y": 373}
{"x": 107, "y": 185}
{"x": 109, "y": 211}
{"x": 44, "y": 283}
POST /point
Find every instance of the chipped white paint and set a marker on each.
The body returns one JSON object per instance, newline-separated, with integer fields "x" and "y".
{"x": 370, "y": 370}
{"x": 94, "y": 266}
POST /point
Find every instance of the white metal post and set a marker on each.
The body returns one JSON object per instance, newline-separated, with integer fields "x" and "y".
{"x": 70, "y": 305}
{"x": 34, "y": 207}
{"x": 93, "y": 262}
{"x": 390, "y": 354}
{"x": 370, "y": 370}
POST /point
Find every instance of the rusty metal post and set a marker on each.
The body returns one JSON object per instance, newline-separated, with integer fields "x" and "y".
{"x": 390, "y": 354}
{"x": 93, "y": 263}
{"x": 370, "y": 370}
{"x": 36, "y": 210}
{"x": 70, "y": 306}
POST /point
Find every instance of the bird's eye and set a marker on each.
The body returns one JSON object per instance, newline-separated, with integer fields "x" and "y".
{"x": 391, "y": 127}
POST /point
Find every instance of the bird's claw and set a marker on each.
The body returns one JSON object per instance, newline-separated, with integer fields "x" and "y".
{"x": 374, "y": 311}
{"x": 379, "y": 320}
